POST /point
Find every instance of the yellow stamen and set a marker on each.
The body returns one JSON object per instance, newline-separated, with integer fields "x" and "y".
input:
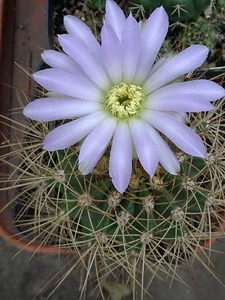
{"x": 124, "y": 101}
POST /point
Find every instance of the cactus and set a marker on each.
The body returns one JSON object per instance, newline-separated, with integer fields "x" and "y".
{"x": 219, "y": 9}
{"x": 97, "y": 4}
{"x": 156, "y": 222}
{"x": 153, "y": 207}
{"x": 200, "y": 31}
{"x": 178, "y": 10}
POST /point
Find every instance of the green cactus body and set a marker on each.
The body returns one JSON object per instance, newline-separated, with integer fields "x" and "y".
{"x": 200, "y": 31}
{"x": 149, "y": 209}
{"x": 97, "y": 4}
{"x": 155, "y": 225}
{"x": 219, "y": 13}
{"x": 178, "y": 10}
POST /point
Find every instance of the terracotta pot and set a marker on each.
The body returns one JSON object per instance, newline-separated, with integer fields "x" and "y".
{"x": 21, "y": 41}
{"x": 208, "y": 243}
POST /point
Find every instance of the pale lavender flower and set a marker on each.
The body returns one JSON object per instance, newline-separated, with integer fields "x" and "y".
{"x": 115, "y": 92}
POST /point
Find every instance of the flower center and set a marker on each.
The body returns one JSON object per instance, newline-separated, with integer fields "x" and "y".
{"x": 124, "y": 101}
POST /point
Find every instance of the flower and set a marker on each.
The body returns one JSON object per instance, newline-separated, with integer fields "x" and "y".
{"x": 115, "y": 92}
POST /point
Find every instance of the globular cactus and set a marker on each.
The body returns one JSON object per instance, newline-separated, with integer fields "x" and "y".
{"x": 178, "y": 10}
{"x": 158, "y": 222}
{"x": 201, "y": 31}
{"x": 150, "y": 209}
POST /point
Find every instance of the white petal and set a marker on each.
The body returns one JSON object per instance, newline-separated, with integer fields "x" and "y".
{"x": 184, "y": 62}
{"x": 178, "y": 102}
{"x": 95, "y": 144}
{"x": 111, "y": 53}
{"x": 78, "y": 28}
{"x": 166, "y": 157}
{"x": 114, "y": 17}
{"x": 120, "y": 163}
{"x": 181, "y": 116}
{"x": 61, "y": 61}
{"x": 130, "y": 47}
{"x": 145, "y": 146}
{"x": 50, "y": 109}
{"x": 62, "y": 82}
{"x": 181, "y": 135}
{"x": 153, "y": 34}
{"x": 161, "y": 62}
{"x": 56, "y": 95}
{"x": 72, "y": 132}
{"x": 86, "y": 59}
{"x": 208, "y": 89}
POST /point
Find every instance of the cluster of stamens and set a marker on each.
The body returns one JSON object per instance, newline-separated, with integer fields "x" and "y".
{"x": 124, "y": 101}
